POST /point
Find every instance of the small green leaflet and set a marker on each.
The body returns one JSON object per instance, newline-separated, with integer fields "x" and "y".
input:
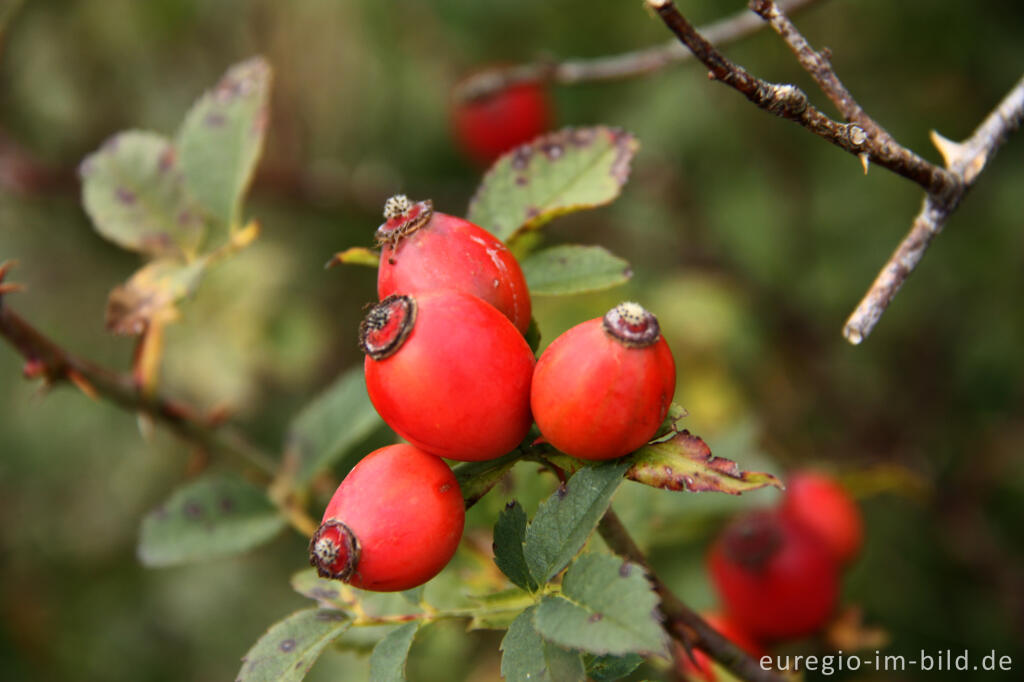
{"x": 509, "y": 538}
{"x": 573, "y": 269}
{"x": 526, "y": 657}
{"x": 387, "y": 663}
{"x": 607, "y": 606}
{"x": 221, "y": 140}
{"x": 290, "y": 647}
{"x": 565, "y": 520}
{"x": 214, "y": 516}
{"x": 561, "y": 172}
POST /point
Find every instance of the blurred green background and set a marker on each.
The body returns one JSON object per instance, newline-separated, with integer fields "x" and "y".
{"x": 750, "y": 239}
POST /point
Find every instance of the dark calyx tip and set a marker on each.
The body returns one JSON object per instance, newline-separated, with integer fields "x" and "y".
{"x": 753, "y": 540}
{"x": 386, "y": 327}
{"x": 631, "y": 325}
{"x": 402, "y": 217}
{"x": 334, "y": 551}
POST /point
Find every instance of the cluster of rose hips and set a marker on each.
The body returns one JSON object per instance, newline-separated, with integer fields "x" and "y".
{"x": 777, "y": 571}
{"x": 449, "y": 370}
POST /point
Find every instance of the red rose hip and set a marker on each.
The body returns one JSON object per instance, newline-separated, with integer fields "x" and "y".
{"x": 448, "y": 373}
{"x": 392, "y": 524}
{"x": 821, "y": 504}
{"x": 424, "y": 250}
{"x": 602, "y": 389}
{"x": 489, "y": 125}
{"x": 774, "y": 576}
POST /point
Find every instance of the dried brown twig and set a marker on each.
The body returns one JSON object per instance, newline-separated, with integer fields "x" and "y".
{"x": 862, "y": 136}
{"x": 614, "y": 67}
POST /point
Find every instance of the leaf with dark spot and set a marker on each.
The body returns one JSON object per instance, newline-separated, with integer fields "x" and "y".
{"x": 603, "y": 610}
{"x": 573, "y": 269}
{"x": 684, "y": 462}
{"x": 290, "y": 647}
{"x": 134, "y": 193}
{"x": 221, "y": 140}
{"x": 561, "y": 172}
{"x": 211, "y": 517}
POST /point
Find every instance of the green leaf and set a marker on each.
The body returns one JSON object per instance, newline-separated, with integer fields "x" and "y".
{"x": 356, "y": 255}
{"x": 477, "y": 478}
{"x": 214, "y": 516}
{"x": 387, "y": 663}
{"x": 533, "y": 335}
{"x": 134, "y": 192}
{"x": 335, "y": 421}
{"x": 565, "y": 520}
{"x": 608, "y": 668}
{"x": 327, "y": 593}
{"x": 561, "y": 172}
{"x": 682, "y": 461}
{"x": 509, "y": 536}
{"x": 152, "y": 294}
{"x": 221, "y": 139}
{"x": 574, "y": 269}
{"x": 526, "y": 657}
{"x": 290, "y": 648}
{"x": 607, "y": 606}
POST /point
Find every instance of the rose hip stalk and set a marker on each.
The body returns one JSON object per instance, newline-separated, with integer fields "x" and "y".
{"x": 448, "y": 373}
{"x": 392, "y": 524}
{"x": 603, "y": 388}
{"x": 425, "y": 250}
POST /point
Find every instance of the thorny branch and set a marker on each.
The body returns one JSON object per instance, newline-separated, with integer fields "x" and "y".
{"x": 681, "y": 622}
{"x": 964, "y": 160}
{"x": 790, "y": 102}
{"x": 862, "y": 136}
{"x": 615, "y": 67}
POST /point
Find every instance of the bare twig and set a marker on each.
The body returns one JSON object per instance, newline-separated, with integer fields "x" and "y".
{"x": 789, "y": 102}
{"x": 681, "y": 622}
{"x": 879, "y": 146}
{"x": 964, "y": 160}
{"x": 47, "y": 360}
{"x": 614, "y": 67}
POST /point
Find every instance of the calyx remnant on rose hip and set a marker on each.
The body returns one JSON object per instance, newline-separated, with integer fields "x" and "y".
{"x": 402, "y": 218}
{"x": 387, "y": 325}
{"x": 753, "y": 540}
{"x": 334, "y": 550}
{"x": 630, "y": 324}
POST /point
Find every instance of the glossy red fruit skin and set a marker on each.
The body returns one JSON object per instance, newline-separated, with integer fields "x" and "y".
{"x": 701, "y": 667}
{"x": 820, "y": 503}
{"x": 595, "y": 398}
{"x": 406, "y": 513}
{"x": 489, "y": 126}
{"x": 459, "y": 384}
{"x": 446, "y": 252}
{"x": 775, "y": 578}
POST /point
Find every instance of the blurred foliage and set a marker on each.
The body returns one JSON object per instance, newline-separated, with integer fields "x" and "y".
{"x": 749, "y": 238}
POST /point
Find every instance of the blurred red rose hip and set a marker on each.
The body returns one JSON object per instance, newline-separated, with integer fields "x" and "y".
{"x": 820, "y": 503}
{"x": 490, "y": 125}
